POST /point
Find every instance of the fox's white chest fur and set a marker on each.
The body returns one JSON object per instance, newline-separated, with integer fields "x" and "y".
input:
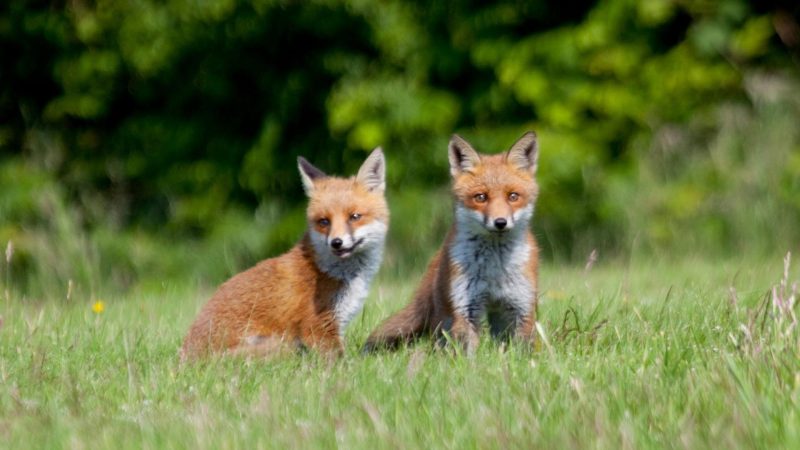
{"x": 355, "y": 272}
{"x": 491, "y": 271}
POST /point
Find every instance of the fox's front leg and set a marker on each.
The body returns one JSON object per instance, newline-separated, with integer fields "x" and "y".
{"x": 467, "y": 317}
{"x": 324, "y": 338}
{"x": 329, "y": 347}
{"x": 468, "y": 308}
{"x": 465, "y": 333}
{"x": 525, "y": 322}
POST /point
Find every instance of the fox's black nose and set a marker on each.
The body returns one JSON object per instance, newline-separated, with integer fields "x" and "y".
{"x": 500, "y": 223}
{"x": 336, "y": 243}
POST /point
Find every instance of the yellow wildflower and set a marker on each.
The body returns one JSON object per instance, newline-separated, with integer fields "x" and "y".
{"x": 98, "y": 307}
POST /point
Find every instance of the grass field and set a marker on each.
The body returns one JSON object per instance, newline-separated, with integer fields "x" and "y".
{"x": 645, "y": 354}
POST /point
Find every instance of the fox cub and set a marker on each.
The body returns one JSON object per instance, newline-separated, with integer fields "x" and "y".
{"x": 488, "y": 266}
{"x": 306, "y": 297}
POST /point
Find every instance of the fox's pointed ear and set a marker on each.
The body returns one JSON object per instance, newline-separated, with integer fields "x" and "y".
{"x": 308, "y": 173}
{"x": 372, "y": 173}
{"x": 463, "y": 158}
{"x": 524, "y": 154}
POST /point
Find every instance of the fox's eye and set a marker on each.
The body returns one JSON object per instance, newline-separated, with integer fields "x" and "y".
{"x": 480, "y": 198}
{"x": 513, "y": 196}
{"x": 354, "y": 217}
{"x": 323, "y": 222}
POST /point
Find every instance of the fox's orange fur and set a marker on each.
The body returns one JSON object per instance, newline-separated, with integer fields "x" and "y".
{"x": 488, "y": 265}
{"x": 305, "y": 297}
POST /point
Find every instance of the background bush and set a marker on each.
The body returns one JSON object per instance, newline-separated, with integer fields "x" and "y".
{"x": 144, "y": 140}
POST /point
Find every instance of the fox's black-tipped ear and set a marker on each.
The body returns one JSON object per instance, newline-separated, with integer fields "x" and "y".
{"x": 372, "y": 173}
{"x": 463, "y": 158}
{"x": 524, "y": 154}
{"x": 308, "y": 173}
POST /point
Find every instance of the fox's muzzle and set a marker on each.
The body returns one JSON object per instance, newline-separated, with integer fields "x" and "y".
{"x": 342, "y": 251}
{"x": 499, "y": 223}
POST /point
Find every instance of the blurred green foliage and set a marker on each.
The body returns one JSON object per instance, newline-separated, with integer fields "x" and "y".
{"x": 141, "y": 125}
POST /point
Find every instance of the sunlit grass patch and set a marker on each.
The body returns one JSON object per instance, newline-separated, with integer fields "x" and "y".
{"x": 637, "y": 356}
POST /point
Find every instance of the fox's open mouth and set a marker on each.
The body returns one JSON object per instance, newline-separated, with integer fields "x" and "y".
{"x": 345, "y": 252}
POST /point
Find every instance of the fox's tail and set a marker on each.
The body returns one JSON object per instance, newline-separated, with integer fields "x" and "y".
{"x": 403, "y": 327}
{"x": 412, "y": 321}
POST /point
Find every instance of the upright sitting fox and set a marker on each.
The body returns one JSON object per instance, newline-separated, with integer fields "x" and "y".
{"x": 488, "y": 265}
{"x": 306, "y": 297}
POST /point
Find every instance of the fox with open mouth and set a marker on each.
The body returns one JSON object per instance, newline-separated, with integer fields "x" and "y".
{"x": 307, "y": 296}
